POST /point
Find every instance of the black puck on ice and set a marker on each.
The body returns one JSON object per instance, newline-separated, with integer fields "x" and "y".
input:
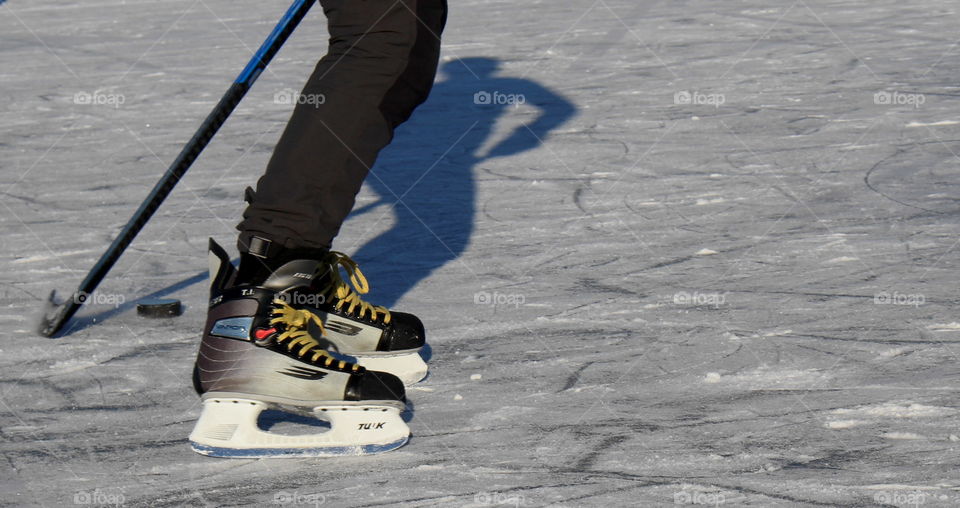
{"x": 159, "y": 307}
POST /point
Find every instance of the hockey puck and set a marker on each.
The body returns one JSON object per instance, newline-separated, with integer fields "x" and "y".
{"x": 159, "y": 307}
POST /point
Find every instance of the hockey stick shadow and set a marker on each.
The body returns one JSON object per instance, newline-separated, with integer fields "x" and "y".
{"x": 82, "y": 322}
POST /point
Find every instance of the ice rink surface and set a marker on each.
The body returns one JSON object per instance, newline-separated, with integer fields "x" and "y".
{"x": 668, "y": 253}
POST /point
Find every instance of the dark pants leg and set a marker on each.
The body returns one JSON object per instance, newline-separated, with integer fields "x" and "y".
{"x": 379, "y": 67}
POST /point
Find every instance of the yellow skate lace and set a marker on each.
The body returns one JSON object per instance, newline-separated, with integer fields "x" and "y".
{"x": 297, "y": 339}
{"x": 350, "y": 297}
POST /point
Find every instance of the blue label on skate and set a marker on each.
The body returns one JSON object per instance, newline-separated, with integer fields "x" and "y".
{"x": 233, "y": 328}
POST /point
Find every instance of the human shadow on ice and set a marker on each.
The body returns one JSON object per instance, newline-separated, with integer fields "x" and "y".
{"x": 426, "y": 177}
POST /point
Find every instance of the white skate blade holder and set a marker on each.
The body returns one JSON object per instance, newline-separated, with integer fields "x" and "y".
{"x": 227, "y": 427}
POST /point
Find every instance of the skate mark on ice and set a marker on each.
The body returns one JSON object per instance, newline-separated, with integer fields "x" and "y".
{"x": 578, "y": 197}
{"x": 655, "y": 481}
{"x": 586, "y": 462}
{"x": 574, "y": 378}
{"x": 138, "y": 351}
{"x": 918, "y": 176}
{"x": 595, "y": 285}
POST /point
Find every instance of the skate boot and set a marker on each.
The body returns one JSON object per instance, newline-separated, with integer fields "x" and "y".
{"x": 258, "y": 352}
{"x": 357, "y": 331}
{"x": 373, "y": 336}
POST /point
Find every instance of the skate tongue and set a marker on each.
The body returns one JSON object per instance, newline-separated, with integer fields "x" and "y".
{"x": 300, "y": 272}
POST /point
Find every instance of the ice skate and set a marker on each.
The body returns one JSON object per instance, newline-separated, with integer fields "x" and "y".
{"x": 377, "y": 338}
{"x": 258, "y": 352}
{"x": 355, "y": 330}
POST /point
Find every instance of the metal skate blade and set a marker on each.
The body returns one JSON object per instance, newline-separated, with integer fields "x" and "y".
{"x": 277, "y": 453}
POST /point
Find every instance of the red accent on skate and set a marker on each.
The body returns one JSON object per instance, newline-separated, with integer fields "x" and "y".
{"x": 264, "y": 333}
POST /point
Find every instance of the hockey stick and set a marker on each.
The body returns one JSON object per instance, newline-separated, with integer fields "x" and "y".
{"x": 54, "y": 318}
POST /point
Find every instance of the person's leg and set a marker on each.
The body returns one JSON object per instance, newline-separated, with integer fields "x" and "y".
{"x": 380, "y": 65}
{"x": 414, "y": 85}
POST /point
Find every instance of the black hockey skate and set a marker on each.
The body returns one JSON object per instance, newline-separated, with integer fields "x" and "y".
{"x": 260, "y": 352}
{"x": 370, "y": 335}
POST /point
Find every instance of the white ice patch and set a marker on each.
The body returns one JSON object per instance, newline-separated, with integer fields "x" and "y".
{"x": 902, "y": 435}
{"x": 702, "y": 202}
{"x": 842, "y": 259}
{"x": 21, "y": 428}
{"x": 778, "y": 334}
{"x": 774, "y": 378}
{"x": 844, "y": 424}
{"x": 948, "y": 326}
{"x": 46, "y": 257}
{"x": 933, "y": 124}
{"x": 895, "y": 410}
{"x": 70, "y": 365}
{"x": 890, "y": 353}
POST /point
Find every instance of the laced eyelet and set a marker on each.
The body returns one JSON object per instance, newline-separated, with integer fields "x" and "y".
{"x": 347, "y": 295}
{"x": 292, "y": 325}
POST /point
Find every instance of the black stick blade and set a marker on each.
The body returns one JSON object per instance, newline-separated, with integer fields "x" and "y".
{"x": 56, "y": 314}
